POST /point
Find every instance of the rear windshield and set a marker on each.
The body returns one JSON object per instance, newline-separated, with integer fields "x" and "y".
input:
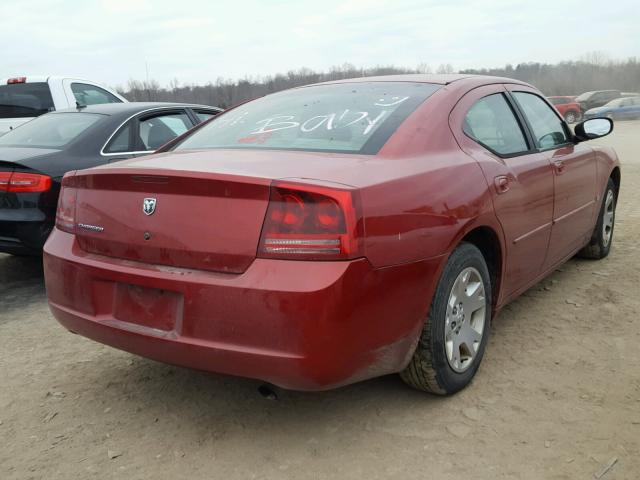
{"x": 344, "y": 117}
{"x": 21, "y": 100}
{"x": 49, "y": 131}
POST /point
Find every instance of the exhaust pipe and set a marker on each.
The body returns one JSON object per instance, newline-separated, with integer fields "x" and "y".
{"x": 267, "y": 392}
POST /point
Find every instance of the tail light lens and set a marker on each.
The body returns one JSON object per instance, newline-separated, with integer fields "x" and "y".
{"x": 24, "y": 182}
{"x": 311, "y": 223}
{"x": 66, "y": 214}
{"x": 4, "y": 181}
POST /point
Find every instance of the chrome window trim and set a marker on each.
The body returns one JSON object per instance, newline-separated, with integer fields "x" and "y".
{"x": 154, "y": 109}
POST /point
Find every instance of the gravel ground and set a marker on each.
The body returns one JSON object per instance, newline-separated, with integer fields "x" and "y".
{"x": 557, "y": 397}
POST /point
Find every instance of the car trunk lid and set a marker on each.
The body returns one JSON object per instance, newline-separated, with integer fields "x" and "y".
{"x": 182, "y": 219}
{"x": 8, "y": 124}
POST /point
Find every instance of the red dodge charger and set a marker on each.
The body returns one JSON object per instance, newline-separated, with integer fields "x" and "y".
{"x": 332, "y": 233}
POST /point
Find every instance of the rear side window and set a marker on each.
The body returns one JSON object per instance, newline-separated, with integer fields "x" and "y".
{"x": 158, "y": 130}
{"x": 343, "y": 117}
{"x": 50, "y": 131}
{"x": 492, "y": 123}
{"x": 25, "y": 100}
{"x": 91, "y": 95}
{"x": 547, "y": 127}
{"x": 122, "y": 141}
{"x": 204, "y": 115}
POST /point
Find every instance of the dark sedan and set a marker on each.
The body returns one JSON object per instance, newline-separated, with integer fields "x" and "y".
{"x": 35, "y": 156}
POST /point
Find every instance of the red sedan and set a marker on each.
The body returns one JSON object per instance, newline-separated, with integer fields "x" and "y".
{"x": 332, "y": 233}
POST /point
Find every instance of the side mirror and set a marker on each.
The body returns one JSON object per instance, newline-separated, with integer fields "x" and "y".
{"x": 593, "y": 128}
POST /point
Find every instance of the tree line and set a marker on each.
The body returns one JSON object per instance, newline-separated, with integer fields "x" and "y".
{"x": 592, "y": 72}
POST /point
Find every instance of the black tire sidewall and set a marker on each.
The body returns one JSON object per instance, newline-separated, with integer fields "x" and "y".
{"x": 466, "y": 255}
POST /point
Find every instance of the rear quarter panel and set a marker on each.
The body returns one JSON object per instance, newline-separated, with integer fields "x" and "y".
{"x": 424, "y": 193}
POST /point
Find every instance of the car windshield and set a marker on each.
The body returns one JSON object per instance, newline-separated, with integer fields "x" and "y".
{"x": 343, "y": 117}
{"x": 54, "y": 130}
{"x": 25, "y": 100}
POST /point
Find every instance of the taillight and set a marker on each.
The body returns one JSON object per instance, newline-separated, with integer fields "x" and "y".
{"x": 311, "y": 223}
{"x": 24, "y": 182}
{"x": 4, "y": 181}
{"x": 14, "y": 80}
{"x": 66, "y": 214}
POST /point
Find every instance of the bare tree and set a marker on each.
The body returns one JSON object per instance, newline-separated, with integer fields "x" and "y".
{"x": 594, "y": 71}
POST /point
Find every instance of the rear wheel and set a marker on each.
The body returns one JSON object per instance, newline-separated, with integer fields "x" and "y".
{"x": 600, "y": 244}
{"x": 572, "y": 117}
{"x": 454, "y": 337}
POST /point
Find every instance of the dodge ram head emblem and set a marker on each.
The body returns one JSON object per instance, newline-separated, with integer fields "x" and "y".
{"x": 149, "y": 206}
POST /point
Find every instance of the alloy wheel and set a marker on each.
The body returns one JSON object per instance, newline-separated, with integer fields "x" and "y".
{"x": 607, "y": 218}
{"x": 465, "y": 319}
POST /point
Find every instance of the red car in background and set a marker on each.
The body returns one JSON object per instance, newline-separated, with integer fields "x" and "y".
{"x": 568, "y": 108}
{"x": 332, "y": 233}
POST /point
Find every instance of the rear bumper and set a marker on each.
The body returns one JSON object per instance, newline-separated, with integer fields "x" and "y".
{"x": 23, "y": 231}
{"x": 296, "y": 324}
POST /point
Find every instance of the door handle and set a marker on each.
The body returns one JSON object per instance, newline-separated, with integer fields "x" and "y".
{"x": 560, "y": 166}
{"x": 501, "y": 183}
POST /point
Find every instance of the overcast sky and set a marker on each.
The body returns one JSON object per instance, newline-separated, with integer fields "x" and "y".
{"x": 111, "y": 41}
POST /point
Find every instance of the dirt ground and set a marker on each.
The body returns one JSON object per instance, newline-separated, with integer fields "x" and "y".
{"x": 557, "y": 397}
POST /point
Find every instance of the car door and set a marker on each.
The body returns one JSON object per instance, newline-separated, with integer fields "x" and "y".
{"x": 574, "y": 175}
{"x": 489, "y": 129}
{"x": 153, "y": 130}
{"x": 634, "y": 109}
{"x": 628, "y": 109}
{"x": 146, "y": 132}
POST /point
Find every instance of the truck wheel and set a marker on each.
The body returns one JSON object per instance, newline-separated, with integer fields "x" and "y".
{"x": 600, "y": 244}
{"x": 456, "y": 331}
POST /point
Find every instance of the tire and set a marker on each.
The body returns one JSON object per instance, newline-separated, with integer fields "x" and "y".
{"x": 571, "y": 117}
{"x": 433, "y": 367}
{"x": 600, "y": 244}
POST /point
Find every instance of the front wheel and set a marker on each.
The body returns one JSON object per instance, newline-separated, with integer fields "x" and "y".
{"x": 600, "y": 244}
{"x": 455, "y": 334}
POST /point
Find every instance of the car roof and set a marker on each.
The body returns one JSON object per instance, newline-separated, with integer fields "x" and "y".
{"x": 600, "y": 91}
{"x": 131, "y": 108}
{"x": 438, "y": 79}
{"x": 45, "y": 78}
